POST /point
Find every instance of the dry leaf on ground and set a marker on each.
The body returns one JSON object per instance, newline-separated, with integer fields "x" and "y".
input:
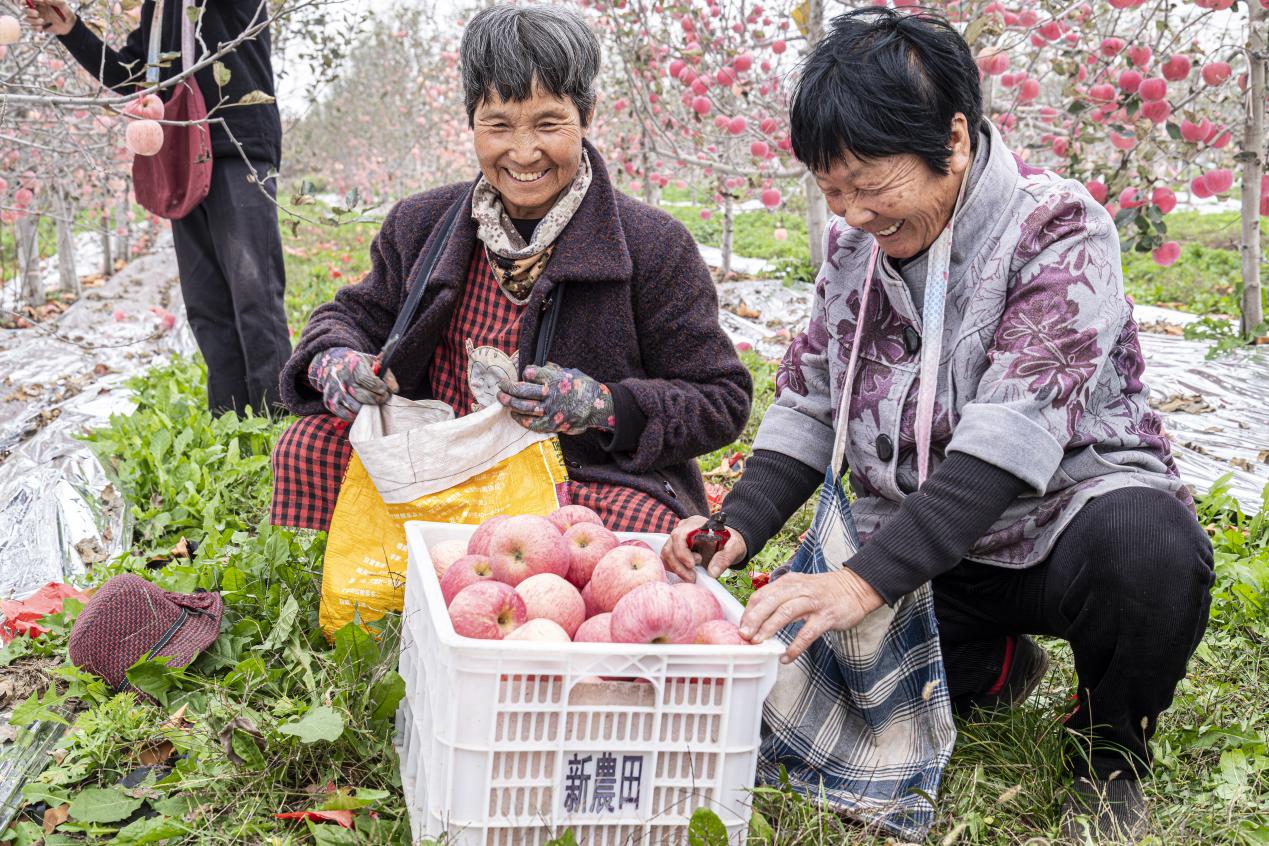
{"x": 1188, "y": 403}
{"x": 53, "y": 817}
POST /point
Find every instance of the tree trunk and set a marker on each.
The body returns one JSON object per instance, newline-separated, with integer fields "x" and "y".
{"x": 816, "y": 220}
{"x": 1253, "y": 167}
{"x": 122, "y": 226}
{"x": 649, "y": 189}
{"x": 30, "y": 280}
{"x": 68, "y": 277}
{"x": 729, "y": 220}
{"x": 816, "y": 211}
{"x": 107, "y": 264}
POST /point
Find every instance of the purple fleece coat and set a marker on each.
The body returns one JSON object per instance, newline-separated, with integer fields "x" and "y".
{"x": 639, "y": 313}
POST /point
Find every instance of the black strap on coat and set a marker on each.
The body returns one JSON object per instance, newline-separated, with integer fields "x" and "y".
{"x": 423, "y": 275}
{"x": 418, "y": 282}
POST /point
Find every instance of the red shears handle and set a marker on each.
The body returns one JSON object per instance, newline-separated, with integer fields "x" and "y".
{"x": 31, "y": 4}
{"x": 709, "y": 538}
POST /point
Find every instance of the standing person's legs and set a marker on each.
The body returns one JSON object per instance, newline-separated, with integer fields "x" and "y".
{"x": 210, "y": 309}
{"x": 243, "y": 221}
{"x": 1127, "y": 584}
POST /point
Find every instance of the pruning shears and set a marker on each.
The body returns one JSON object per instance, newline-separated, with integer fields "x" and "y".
{"x": 31, "y": 4}
{"x": 709, "y": 538}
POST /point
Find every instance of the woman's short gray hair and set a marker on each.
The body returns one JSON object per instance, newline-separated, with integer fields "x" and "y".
{"x": 507, "y": 48}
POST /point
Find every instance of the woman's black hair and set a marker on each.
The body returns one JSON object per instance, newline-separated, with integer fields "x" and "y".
{"x": 883, "y": 83}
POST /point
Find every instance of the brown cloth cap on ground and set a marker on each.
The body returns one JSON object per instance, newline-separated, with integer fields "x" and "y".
{"x": 129, "y": 619}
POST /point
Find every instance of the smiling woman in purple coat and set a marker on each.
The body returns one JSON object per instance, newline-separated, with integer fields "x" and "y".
{"x": 970, "y": 323}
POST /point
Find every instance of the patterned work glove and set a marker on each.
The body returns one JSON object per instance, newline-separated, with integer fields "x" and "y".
{"x": 347, "y": 381}
{"x": 558, "y": 399}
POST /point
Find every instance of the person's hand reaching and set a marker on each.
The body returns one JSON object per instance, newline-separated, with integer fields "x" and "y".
{"x": 53, "y": 17}
{"x": 347, "y": 380}
{"x": 558, "y": 399}
{"x": 682, "y": 561}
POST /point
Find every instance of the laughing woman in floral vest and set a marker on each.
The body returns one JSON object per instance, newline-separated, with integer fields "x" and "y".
{"x": 545, "y": 258}
{"x": 1052, "y": 504}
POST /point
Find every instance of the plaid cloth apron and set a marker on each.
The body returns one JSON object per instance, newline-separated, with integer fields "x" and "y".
{"x": 862, "y": 720}
{"x": 312, "y": 455}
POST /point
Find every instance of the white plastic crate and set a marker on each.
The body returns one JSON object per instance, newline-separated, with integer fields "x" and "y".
{"x": 507, "y": 743}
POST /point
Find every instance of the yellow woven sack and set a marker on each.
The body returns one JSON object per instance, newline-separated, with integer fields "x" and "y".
{"x": 413, "y": 460}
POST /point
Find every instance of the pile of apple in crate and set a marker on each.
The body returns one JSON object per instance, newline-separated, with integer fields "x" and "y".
{"x": 565, "y": 577}
{"x": 560, "y": 683}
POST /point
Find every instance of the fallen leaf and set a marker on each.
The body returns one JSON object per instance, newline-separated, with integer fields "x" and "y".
{"x": 177, "y": 720}
{"x": 1242, "y": 464}
{"x": 155, "y": 752}
{"x": 1263, "y": 456}
{"x": 748, "y": 312}
{"x": 1188, "y": 403}
{"x": 315, "y": 789}
{"x": 53, "y": 817}
{"x": 181, "y": 550}
{"x": 344, "y": 818}
{"x": 1261, "y": 340}
{"x": 8, "y": 733}
{"x": 90, "y": 551}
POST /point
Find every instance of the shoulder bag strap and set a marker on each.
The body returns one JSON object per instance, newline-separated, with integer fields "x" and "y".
{"x": 155, "y": 47}
{"x": 418, "y": 282}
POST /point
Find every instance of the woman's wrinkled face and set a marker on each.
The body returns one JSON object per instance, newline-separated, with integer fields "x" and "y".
{"x": 528, "y": 151}
{"x": 898, "y": 199}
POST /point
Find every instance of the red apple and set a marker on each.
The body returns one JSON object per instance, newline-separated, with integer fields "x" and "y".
{"x": 487, "y": 610}
{"x": 445, "y": 553}
{"x": 770, "y": 198}
{"x": 1176, "y": 68}
{"x": 638, "y": 543}
{"x": 1156, "y": 111}
{"x": 1153, "y": 89}
{"x": 10, "y": 29}
{"x": 1167, "y": 253}
{"x": 524, "y": 546}
{"x": 1220, "y": 180}
{"x": 1129, "y": 81}
{"x": 703, "y": 604}
{"x": 597, "y": 629}
{"x": 548, "y": 597}
{"x": 540, "y": 629}
{"x": 1164, "y": 198}
{"x": 1097, "y": 189}
{"x": 652, "y": 613}
{"x": 464, "y": 572}
{"x": 144, "y": 137}
{"x": 621, "y": 571}
{"x": 591, "y": 608}
{"x": 1199, "y": 187}
{"x": 1216, "y": 73}
{"x": 587, "y": 543}
{"x": 478, "y": 544}
{"x": 570, "y": 515}
{"x": 722, "y": 632}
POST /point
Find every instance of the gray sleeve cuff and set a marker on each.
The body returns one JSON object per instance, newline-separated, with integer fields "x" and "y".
{"x": 1010, "y": 440}
{"x": 796, "y": 435}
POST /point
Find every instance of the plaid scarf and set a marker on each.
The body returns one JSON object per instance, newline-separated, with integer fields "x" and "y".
{"x": 515, "y": 264}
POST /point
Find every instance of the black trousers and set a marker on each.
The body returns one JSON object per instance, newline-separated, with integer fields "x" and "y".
{"x": 1127, "y": 584}
{"x": 229, "y": 254}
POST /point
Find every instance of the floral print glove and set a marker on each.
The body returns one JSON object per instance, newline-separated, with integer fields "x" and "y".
{"x": 347, "y": 380}
{"x": 558, "y": 399}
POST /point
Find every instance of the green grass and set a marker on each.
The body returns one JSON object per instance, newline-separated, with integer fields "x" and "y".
{"x": 185, "y": 474}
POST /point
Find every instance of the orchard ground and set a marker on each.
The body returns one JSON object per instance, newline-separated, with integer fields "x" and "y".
{"x": 260, "y": 706}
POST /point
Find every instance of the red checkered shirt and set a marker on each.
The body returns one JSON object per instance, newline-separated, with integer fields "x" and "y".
{"x": 312, "y": 455}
